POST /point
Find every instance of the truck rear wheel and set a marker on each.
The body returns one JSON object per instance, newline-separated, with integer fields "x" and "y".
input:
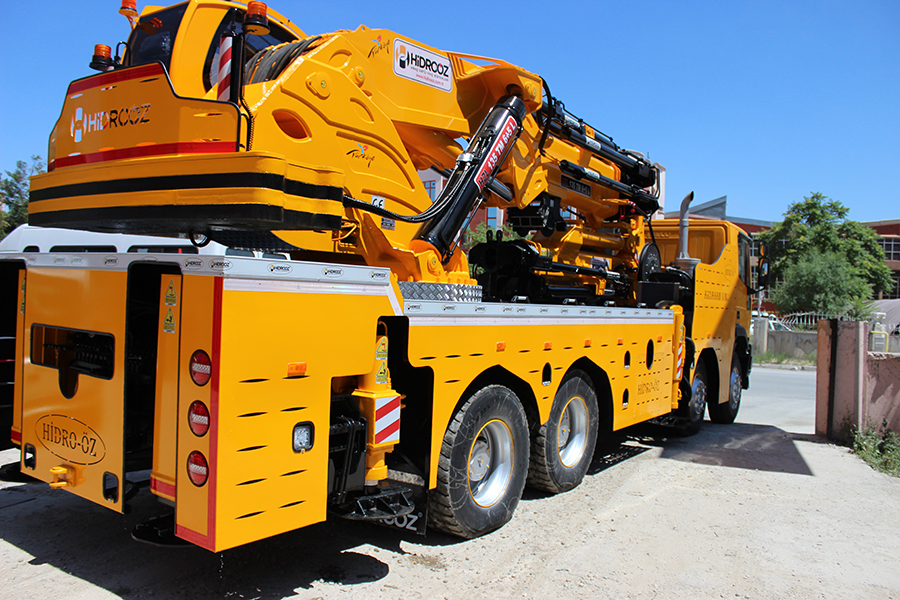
{"x": 563, "y": 448}
{"x": 483, "y": 464}
{"x": 726, "y": 413}
{"x": 696, "y": 407}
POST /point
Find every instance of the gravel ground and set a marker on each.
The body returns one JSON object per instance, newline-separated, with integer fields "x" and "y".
{"x": 759, "y": 509}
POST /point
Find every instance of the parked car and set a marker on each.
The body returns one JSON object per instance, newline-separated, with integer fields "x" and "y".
{"x": 774, "y": 323}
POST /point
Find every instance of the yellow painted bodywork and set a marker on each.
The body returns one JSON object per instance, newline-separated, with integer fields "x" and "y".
{"x": 93, "y": 417}
{"x": 262, "y": 486}
{"x": 165, "y": 413}
{"x": 457, "y": 354}
{"x": 720, "y": 296}
{"x": 195, "y": 506}
{"x": 344, "y": 116}
{"x": 20, "y": 357}
{"x": 341, "y": 120}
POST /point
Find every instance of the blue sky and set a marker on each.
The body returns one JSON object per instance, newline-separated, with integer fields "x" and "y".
{"x": 761, "y": 101}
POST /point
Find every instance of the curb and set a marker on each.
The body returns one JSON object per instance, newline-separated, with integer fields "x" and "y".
{"x": 784, "y": 367}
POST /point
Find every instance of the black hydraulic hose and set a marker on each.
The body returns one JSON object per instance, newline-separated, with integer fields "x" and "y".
{"x": 474, "y": 172}
{"x": 551, "y": 101}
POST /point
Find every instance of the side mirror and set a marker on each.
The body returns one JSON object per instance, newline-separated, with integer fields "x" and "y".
{"x": 762, "y": 271}
{"x": 763, "y": 249}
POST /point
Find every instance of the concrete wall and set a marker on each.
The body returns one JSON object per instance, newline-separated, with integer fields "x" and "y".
{"x": 866, "y": 385}
{"x": 793, "y": 344}
{"x": 883, "y": 390}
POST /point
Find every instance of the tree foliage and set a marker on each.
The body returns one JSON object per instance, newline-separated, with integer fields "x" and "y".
{"x": 14, "y": 190}
{"x": 819, "y": 282}
{"x": 478, "y": 235}
{"x": 814, "y": 232}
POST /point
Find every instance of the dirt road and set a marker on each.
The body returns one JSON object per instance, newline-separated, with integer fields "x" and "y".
{"x": 753, "y": 510}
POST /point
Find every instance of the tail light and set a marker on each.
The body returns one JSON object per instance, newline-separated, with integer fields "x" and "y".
{"x": 197, "y": 468}
{"x": 201, "y": 367}
{"x": 198, "y": 418}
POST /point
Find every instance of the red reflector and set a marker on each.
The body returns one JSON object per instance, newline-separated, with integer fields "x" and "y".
{"x": 201, "y": 367}
{"x": 197, "y": 468}
{"x": 198, "y": 418}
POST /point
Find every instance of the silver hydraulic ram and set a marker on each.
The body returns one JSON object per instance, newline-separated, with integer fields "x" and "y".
{"x": 474, "y": 172}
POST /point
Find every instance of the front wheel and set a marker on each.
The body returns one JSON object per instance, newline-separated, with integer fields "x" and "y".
{"x": 483, "y": 464}
{"x": 563, "y": 448}
{"x": 726, "y": 413}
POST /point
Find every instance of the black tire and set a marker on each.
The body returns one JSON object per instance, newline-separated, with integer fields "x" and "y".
{"x": 696, "y": 406}
{"x": 726, "y": 413}
{"x": 562, "y": 448}
{"x": 483, "y": 465}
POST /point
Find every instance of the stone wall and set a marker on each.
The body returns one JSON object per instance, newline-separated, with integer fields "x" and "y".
{"x": 866, "y": 385}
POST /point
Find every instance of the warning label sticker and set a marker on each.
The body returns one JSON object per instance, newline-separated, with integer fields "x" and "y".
{"x": 171, "y": 296}
{"x": 382, "y": 375}
{"x": 381, "y": 350}
{"x": 169, "y": 322}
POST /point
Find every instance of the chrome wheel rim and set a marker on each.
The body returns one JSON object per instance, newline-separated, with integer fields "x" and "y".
{"x": 490, "y": 463}
{"x": 571, "y": 435}
{"x": 734, "y": 397}
{"x": 698, "y": 399}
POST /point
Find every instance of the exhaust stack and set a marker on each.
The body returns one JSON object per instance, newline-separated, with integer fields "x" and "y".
{"x": 684, "y": 261}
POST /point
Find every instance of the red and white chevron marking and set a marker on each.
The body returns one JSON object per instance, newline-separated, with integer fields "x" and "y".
{"x": 387, "y": 420}
{"x": 679, "y": 363}
{"x": 224, "y": 77}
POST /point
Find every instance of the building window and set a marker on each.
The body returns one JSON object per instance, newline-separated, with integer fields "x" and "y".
{"x": 893, "y": 293}
{"x": 494, "y": 217}
{"x": 891, "y": 247}
{"x": 430, "y": 188}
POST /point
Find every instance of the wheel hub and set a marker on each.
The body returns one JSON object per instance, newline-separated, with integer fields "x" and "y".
{"x": 735, "y": 396}
{"x": 490, "y": 463}
{"x": 572, "y": 432}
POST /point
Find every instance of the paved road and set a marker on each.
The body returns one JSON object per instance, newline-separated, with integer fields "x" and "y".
{"x": 759, "y": 509}
{"x": 780, "y": 397}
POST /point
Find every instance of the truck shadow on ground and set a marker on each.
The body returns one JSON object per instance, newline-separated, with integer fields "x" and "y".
{"x": 93, "y": 544}
{"x": 739, "y": 445}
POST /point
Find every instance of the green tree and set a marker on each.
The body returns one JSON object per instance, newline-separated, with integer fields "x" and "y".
{"x": 817, "y": 282}
{"x": 14, "y": 189}
{"x": 473, "y": 237}
{"x": 815, "y": 228}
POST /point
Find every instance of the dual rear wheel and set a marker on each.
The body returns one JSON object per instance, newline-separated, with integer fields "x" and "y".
{"x": 488, "y": 454}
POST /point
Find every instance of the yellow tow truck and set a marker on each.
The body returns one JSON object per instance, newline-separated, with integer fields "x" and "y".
{"x": 355, "y": 360}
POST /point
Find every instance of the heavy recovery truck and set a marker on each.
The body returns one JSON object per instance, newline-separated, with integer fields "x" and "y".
{"x": 376, "y": 372}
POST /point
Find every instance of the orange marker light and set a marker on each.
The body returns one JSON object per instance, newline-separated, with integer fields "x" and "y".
{"x": 101, "y": 60}
{"x": 620, "y": 341}
{"x": 256, "y": 22}
{"x": 587, "y": 343}
{"x": 297, "y": 369}
{"x": 548, "y": 345}
{"x": 129, "y": 9}
{"x": 501, "y": 346}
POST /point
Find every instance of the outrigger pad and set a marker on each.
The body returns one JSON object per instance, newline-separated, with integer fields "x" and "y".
{"x": 159, "y": 531}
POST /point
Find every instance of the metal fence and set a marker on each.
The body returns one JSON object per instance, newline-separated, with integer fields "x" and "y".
{"x": 883, "y": 337}
{"x": 807, "y": 321}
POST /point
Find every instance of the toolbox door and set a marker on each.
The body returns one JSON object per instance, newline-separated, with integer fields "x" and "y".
{"x": 73, "y": 381}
